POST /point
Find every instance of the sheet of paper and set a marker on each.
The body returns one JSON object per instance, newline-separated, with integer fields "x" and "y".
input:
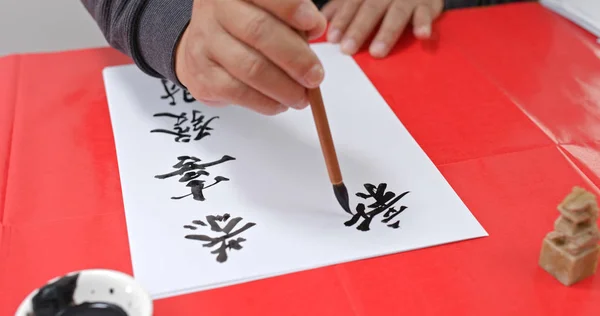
{"x": 243, "y": 196}
{"x": 585, "y": 13}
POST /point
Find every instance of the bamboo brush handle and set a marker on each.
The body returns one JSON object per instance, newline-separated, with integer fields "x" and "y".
{"x": 320, "y": 116}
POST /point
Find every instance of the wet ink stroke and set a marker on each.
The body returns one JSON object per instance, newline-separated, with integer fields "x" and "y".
{"x": 384, "y": 201}
{"x": 198, "y": 123}
{"x": 190, "y": 169}
{"x": 171, "y": 91}
{"x": 225, "y": 240}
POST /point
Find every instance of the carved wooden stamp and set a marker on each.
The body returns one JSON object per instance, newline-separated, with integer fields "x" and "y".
{"x": 571, "y": 252}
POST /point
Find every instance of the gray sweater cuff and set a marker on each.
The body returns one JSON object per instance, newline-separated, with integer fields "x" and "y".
{"x": 458, "y": 4}
{"x": 159, "y": 28}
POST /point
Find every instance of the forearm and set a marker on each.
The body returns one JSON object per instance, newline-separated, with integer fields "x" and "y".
{"x": 147, "y": 31}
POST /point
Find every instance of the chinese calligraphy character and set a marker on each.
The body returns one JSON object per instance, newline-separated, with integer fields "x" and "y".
{"x": 225, "y": 240}
{"x": 190, "y": 169}
{"x": 384, "y": 202}
{"x": 171, "y": 90}
{"x": 182, "y": 133}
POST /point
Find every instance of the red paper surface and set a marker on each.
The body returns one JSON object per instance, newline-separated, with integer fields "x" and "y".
{"x": 506, "y": 102}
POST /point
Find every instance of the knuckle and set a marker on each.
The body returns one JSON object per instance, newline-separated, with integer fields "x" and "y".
{"x": 291, "y": 7}
{"x": 194, "y": 50}
{"x": 253, "y": 66}
{"x": 346, "y": 13}
{"x": 338, "y": 22}
{"x": 235, "y": 90}
{"x": 371, "y": 5}
{"x": 257, "y": 28}
{"x": 400, "y": 9}
{"x": 357, "y": 30}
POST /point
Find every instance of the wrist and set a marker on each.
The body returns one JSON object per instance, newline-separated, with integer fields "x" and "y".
{"x": 179, "y": 56}
{"x": 160, "y": 27}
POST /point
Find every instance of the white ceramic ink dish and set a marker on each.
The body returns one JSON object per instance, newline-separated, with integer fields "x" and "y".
{"x": 98, "y": 285}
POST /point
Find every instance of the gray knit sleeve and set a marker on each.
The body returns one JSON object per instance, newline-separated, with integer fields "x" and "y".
{"x": 146, "y": 30}
{"x": 457, "y": 4}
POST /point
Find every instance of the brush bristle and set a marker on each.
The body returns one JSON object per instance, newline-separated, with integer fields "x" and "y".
{"x": 341, "y": 194}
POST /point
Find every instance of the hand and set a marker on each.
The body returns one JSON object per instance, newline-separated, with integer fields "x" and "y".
{"x": 250, "y": 53}
{"x": 352, "y": 21}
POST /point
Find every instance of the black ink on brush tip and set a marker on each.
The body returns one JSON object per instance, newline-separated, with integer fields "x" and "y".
{"x": 341, "y": 194}
{"x": 382, "y": 201}
{"x": 190, "y": 169}
{"x": 171, "y": 91}
{"x": 225, "y": 239}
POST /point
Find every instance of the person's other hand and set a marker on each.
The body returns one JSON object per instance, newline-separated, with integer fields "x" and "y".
{"x": 251, "y": 53}
{"x": 352, "y": 21}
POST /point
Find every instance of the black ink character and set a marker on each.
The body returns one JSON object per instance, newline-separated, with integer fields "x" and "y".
{"x": 226, "y": 239}
{"x": 190, "y": 169}
{"x": 200, "y": 125}
{"x": 182, "y": 133}
{"x": 384, "y": 202}
{"x": 171, "y": 90}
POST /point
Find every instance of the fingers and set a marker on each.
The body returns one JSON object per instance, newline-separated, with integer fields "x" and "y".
{"x": 256, "y": 71}
{"x": 339, "y": 23}
{"x": 424, "y": 16}
{"x": 391, "y": 28}
{"x": 213, "y": 86}
{"x": 331, "y": 8}
{"x": 275, "y": 40}
{"x": 226, "y": 88}
{"x": 422, "y": 20}
{"x": 368, "y": 16}
{"x": 300, "y": 14}
{"x": 210, "y": 84}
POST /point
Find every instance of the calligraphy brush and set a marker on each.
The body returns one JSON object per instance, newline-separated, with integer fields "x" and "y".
{"x": 333, "y": 166}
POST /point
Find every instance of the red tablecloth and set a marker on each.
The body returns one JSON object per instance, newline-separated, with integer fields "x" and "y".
{"x": 506, "y": 103}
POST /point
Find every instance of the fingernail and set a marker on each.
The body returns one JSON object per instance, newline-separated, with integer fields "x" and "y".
{"x": 334, "y": 35}
{"x": 423, "y": 31}
{"x": 348, "y": 46}
{"x": 305, "y": 15}
{"x": 315, "y": 76}
{"x": 378, "y": 49}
